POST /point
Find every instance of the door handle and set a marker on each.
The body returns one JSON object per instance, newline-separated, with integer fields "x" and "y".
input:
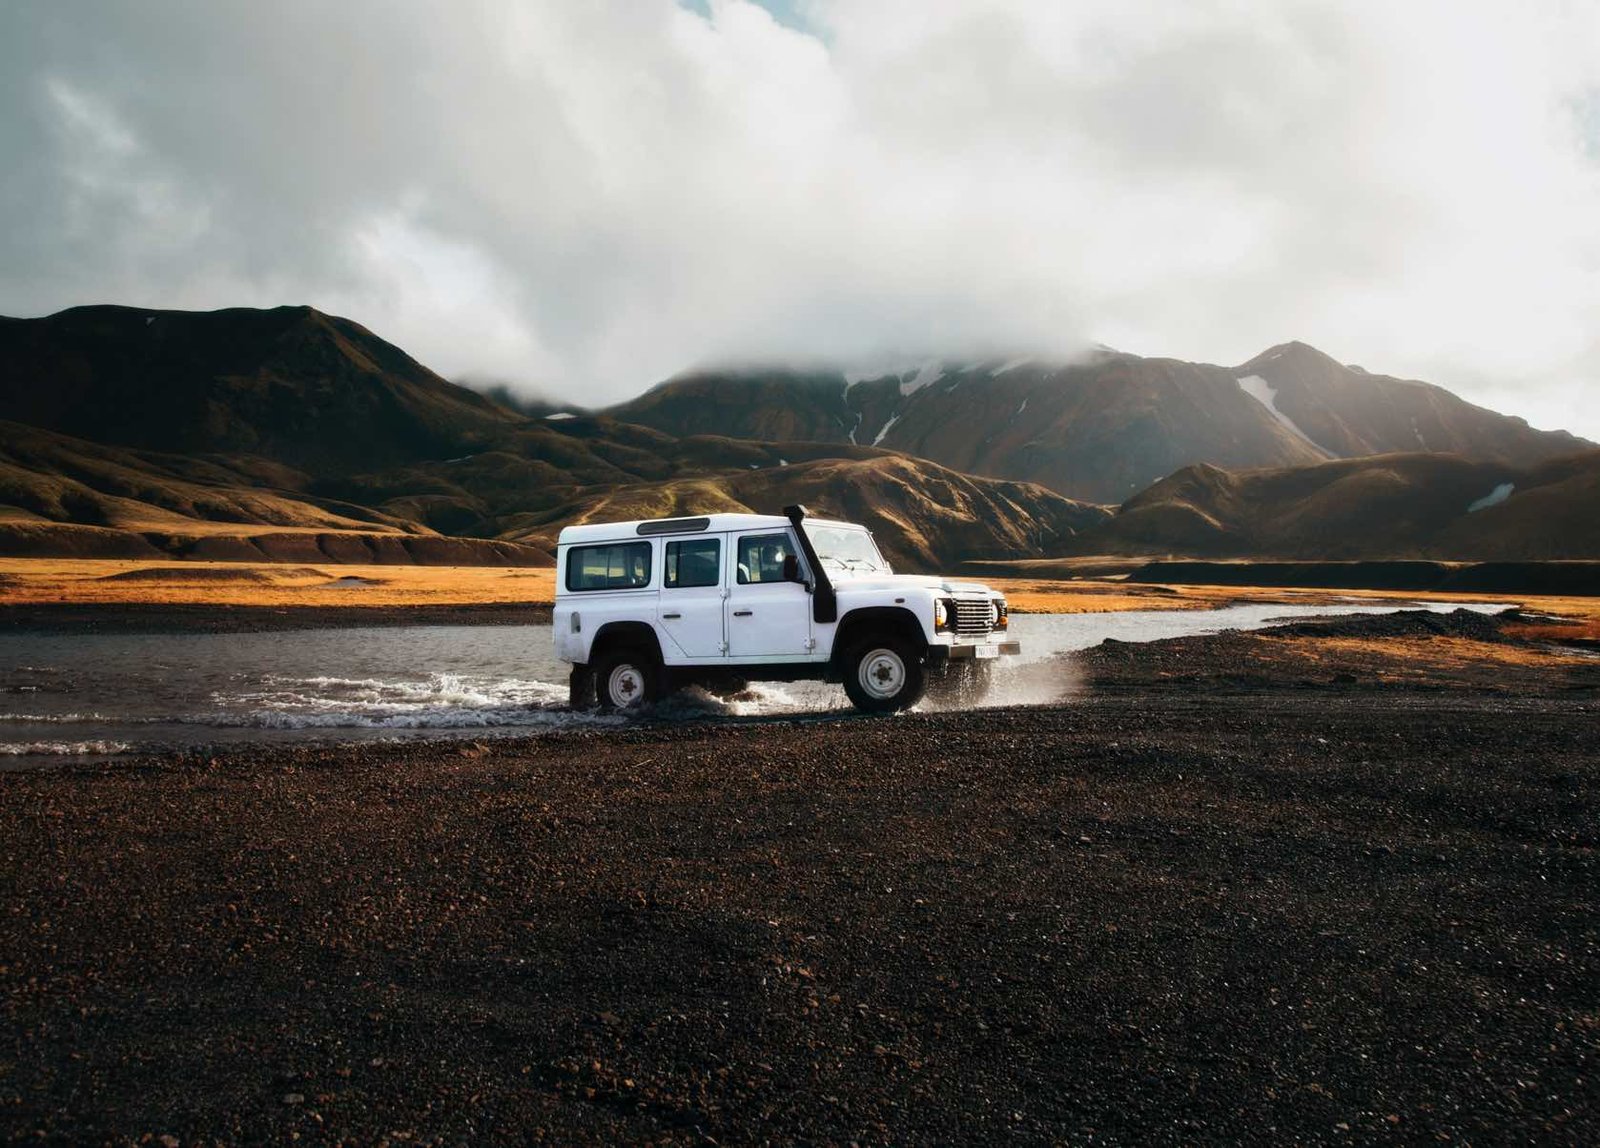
{"x": 672, "y": 615}
{"x": 743, "y": 613}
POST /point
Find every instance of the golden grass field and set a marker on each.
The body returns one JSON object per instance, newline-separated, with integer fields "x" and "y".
{"x": 1419, "y": 659}
{"x": 112, "y": 582}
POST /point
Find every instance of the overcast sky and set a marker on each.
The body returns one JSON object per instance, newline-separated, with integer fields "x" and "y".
{"x": 582, "y": 198}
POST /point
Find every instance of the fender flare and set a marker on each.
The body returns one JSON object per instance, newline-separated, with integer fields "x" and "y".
{"x": 896, "y": 620}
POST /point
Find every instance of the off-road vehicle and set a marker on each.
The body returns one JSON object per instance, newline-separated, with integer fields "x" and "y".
{"x": 643, "y": 608}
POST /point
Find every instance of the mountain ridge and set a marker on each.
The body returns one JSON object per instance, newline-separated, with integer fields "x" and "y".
{"x": 1430, "y": 506}
{"x": 288, "y": 383}
{"x": 1103, "y": 426}
{"x": 288, "y": 432}
{"x": 221, "y": 433}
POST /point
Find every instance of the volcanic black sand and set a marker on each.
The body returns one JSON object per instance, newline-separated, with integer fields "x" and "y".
{"x": 1330, "y": 914}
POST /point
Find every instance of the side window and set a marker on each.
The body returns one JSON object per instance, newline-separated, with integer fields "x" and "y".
{"x": 761, "y": 557}
{"x": 694, "y": 563}
{"x": 614, "y": 566}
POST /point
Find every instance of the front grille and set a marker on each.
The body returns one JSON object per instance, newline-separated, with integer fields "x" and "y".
{"x": 974, "y": 618}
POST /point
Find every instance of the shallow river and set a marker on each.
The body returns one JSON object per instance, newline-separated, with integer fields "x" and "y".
{"x": 67, "y": 697}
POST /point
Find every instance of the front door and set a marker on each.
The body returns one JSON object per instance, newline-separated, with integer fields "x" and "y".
{"x": 692, "y": 596}
{"x": 768, "y": 616}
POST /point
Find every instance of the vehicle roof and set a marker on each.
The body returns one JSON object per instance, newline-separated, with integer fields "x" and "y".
{"x": 716, "y": 524}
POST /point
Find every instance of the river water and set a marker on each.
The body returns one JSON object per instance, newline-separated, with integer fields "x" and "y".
{"x": 76, "y": 697}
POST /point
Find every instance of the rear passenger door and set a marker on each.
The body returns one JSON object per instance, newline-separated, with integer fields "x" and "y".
{"x": 692, "y": 581}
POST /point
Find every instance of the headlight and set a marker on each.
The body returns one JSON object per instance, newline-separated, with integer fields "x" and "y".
{"x": 1001, "y": 617}
{"x": 941, "y": 614}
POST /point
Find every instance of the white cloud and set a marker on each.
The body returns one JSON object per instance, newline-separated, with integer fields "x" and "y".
{"x": 587, "y": 197}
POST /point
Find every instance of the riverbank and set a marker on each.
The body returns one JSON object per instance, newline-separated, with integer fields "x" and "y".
{"x": 1514, "y": 653}
{"x": 1317, "y": 915}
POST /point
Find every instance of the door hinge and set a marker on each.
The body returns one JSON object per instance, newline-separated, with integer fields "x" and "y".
{"x": 811, "y": 643}
{"x": 722, "y": 647}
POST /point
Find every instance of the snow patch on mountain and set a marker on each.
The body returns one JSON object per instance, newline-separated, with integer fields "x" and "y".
{"x": 890, "y": 369}
{"x": 884, "y": 432}
{"x": 927, "y": 374}
{"x": 1012, "y": 365}
{"x": 1494, "y": 498}
{"x": 1266, "y": 394}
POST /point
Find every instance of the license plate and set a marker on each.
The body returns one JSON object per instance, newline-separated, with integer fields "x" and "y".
{"x": 985, "y": 651}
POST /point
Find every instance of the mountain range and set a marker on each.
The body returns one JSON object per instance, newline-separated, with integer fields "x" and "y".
{"x": 290, "y": 434}
{"x": 1103, "y": 427}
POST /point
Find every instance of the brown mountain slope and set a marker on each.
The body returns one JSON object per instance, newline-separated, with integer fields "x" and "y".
{"x": 61, "y": 496}
{"x": 924, "y": 516}
{"x": 316, "y": 400}
{"x": 1101, "y": 428}
{"x": 1389, "y": 506}
{"x": 1350, "y": 413}
{"x": 291, "y": 384}
{"x": 57, "y": 478}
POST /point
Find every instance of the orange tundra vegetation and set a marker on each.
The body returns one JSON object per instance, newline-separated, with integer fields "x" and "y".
{"x": 1400, "y": 660}
{"x": 87, "y": 581}
{"x": 76, "y": 581}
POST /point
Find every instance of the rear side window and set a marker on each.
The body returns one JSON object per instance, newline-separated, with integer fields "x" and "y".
{"x": 614, "y": 566}
{"x": 694, "y": 563}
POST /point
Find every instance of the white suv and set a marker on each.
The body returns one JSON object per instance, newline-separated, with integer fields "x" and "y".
{"x": 643, "y": 608}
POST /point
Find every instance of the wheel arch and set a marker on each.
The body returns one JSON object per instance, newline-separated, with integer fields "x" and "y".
{"x": 857, "y": 624}
{"x": 612, "y": 635}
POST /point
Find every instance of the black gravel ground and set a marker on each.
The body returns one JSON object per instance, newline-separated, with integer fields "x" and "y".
{"x": 1314, "y": 917}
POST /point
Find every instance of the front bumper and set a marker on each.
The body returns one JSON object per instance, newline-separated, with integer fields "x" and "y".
{"x": 965, "y": 650}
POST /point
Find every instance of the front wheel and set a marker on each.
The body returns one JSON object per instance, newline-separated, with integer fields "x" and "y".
{"x": 884, "y": 675}
{"x": 627, "y": 680}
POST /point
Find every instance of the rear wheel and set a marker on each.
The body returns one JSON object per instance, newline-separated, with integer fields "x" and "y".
{"x": 580, "y": 688}
{"x": 627, "y": 679}
{"x": 884, "y": 675}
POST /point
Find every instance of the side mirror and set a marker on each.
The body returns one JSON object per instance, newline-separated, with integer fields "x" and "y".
{"x": 791, "y": 568}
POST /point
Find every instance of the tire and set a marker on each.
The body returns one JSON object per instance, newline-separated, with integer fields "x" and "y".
{"x": 580, "y": 688}
{"x": 627, "y": 679}
{"x": 964, "y": 682}
{"x": 883, "y": 675}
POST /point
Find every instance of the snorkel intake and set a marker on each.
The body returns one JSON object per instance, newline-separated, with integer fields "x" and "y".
{"x": 824, "y": 603}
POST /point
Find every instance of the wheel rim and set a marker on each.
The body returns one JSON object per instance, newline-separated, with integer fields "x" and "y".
{"x": 882, "y": 674}
{"x": 625, "y": 686}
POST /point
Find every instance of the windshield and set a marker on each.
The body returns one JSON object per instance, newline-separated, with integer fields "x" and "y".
{"x": 844, "y": 548}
